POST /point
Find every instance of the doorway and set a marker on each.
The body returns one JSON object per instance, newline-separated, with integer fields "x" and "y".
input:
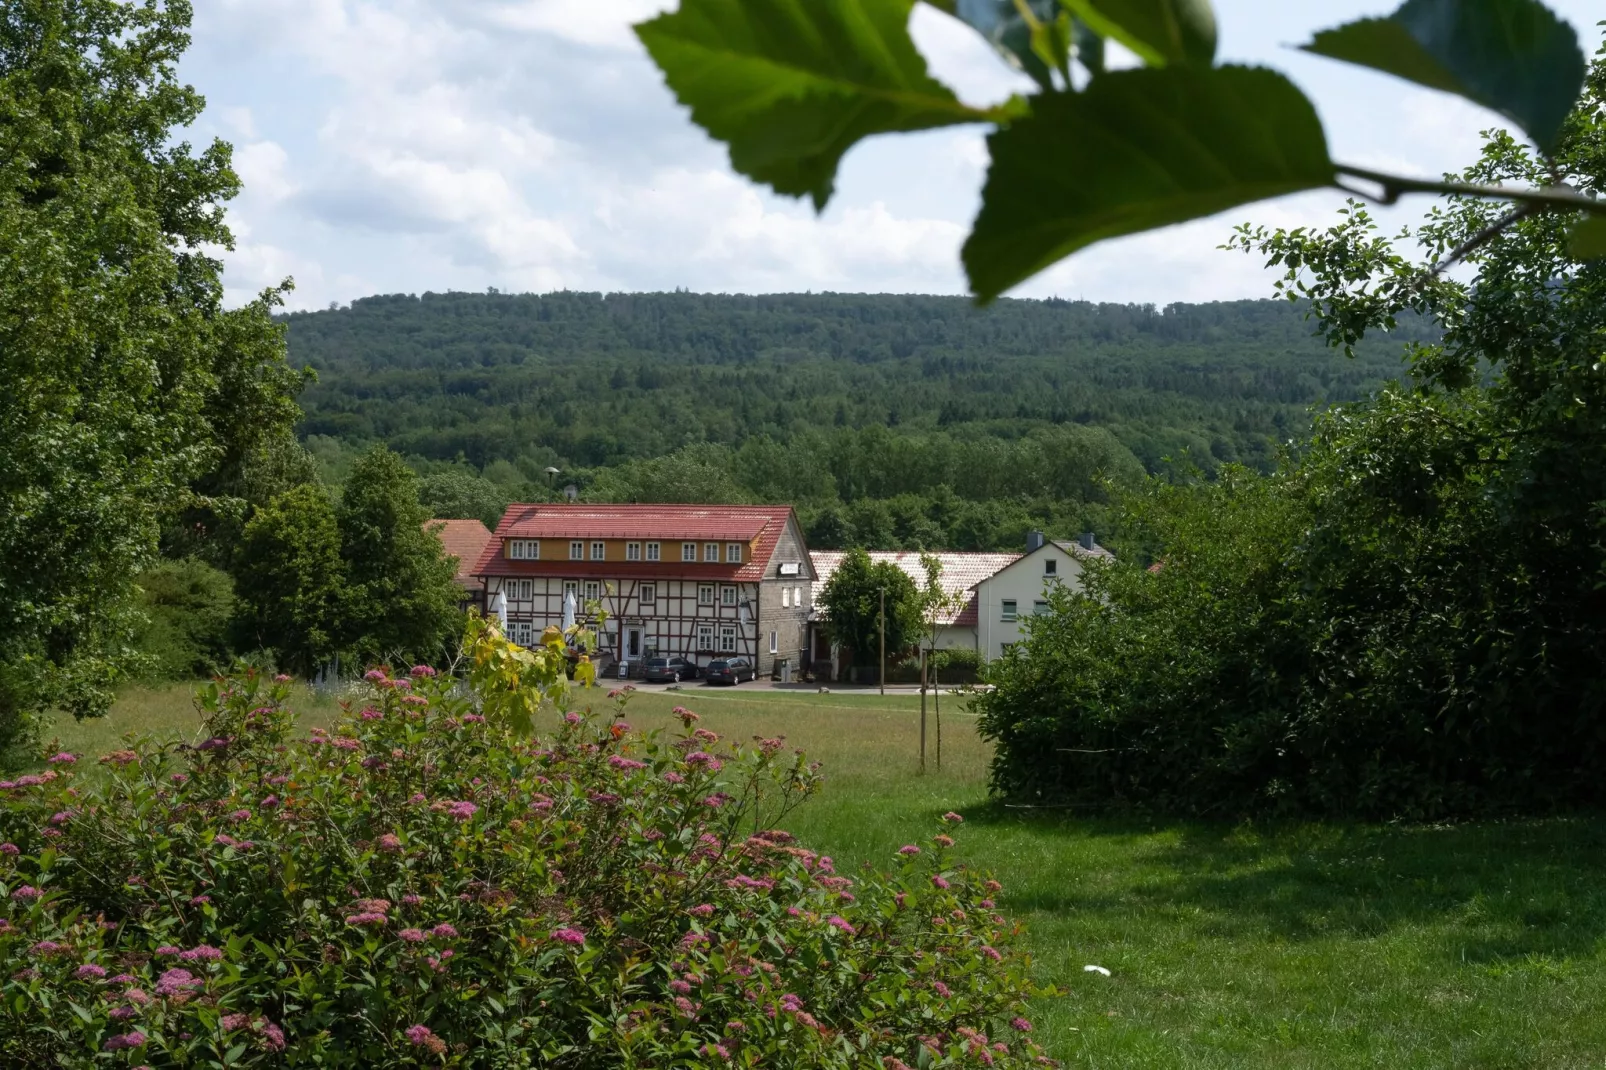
{"x": 632, "y": 643}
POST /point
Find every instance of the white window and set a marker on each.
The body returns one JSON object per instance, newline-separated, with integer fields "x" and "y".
{"x": 711, "y": 552}
{"x": 797, "y": 597}
{"x": 632, "y": 551}
{"x": 526, "y": 588}
{"x": 524, "y": 549}
{"x": 649, "y": 594}
{"x": 593, "y": 590}
{"x": 727, "y": 595}
{"x": 1039, "y": 608}
{"x": 786, "y": 598}
{"x": 705, "y": 594}
{"x": 688, "y": 551}
{"x": 599, "y": 550}
{"x": 1009, "y": 611}
{"x": 571, "y": 587}
{"x": 577, "y": 551}
{"x": 652, "y": 551}
{"x": 705, "y": 638}
{"x": 733, "y": 553}
{"x": 727, "y": 639}
{"x": 523, "y": 632}
{"x": 775, "y": 642}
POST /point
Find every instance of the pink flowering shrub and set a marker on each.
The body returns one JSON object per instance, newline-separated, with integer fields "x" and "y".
{"x": 425, "y": 886}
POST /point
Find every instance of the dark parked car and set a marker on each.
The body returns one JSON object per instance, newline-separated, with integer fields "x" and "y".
{"x": 731, "y": 671}
{"x": 669, "y": 670}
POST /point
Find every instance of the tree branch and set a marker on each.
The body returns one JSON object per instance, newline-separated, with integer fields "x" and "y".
{"x": 1554, "y": 198}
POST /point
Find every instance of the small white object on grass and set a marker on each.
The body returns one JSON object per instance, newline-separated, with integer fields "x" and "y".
{"x": 1096, "y": 969}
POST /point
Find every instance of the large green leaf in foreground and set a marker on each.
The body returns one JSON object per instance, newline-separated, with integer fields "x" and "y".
{"x": 1138, "y": 149}
{"x": 1514, "y": 56}
{"x": 791, "y": 85}
{"x": 1588, "y": 238}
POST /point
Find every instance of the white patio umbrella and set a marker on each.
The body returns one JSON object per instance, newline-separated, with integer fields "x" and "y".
{"x": 568, "y": 611}
{"x": 499, "y": 608}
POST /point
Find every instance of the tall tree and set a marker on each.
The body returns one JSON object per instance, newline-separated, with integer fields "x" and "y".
{"x": 461, "y": 495}
{"x": 851, "y": 602}
{"x": 402, "y": 595}
{"x": 121, "y": 366}
{"x": 291, "y": 580}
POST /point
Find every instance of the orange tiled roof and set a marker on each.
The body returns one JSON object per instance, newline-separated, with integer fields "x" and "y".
{"x": 465, "y": 540}
{"x": 960, "y": 572}
{"x": 760, "y": 525}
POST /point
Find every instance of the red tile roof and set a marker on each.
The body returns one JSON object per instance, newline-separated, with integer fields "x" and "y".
{"x": 641, "y": 522}
{"x": 960, "y": 572}
{"x": 465, "y": 540}
{"x": 760, "y": 525}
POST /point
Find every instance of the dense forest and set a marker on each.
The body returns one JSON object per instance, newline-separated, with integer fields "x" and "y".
{"x": 884, "y": 417}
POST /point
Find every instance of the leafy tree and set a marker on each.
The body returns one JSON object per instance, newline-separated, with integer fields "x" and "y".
{"x": 851, "y": 603}
{"x": 1099, "y": 152}
{"x": 292, "y": 588}
{"x": 698, "y": 474}
{"x": 401, "y": 595}
{"x": 189, "y": 609}
{"x": 1405, "y": 621}
{"x": 936, "y": 605}
{"x": 461, "y": 495}
{"x": 127, "y": 383}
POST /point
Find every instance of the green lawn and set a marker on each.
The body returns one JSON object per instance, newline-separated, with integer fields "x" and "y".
{"x": 1315, "y": 946}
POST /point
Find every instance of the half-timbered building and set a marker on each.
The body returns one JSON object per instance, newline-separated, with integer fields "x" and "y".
{"x": 695, "y": 581}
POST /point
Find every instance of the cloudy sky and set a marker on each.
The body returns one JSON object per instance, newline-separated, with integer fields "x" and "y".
{"x": 398, "y": 146}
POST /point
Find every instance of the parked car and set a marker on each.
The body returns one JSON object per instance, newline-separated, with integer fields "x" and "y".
{"x": 669, "y": 670}
{"x": 731, "y": 671}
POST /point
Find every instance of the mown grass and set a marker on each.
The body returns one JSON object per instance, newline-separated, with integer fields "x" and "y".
{"x": 1308, "y": 946}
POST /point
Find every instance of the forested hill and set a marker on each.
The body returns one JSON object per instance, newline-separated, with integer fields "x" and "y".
{"x": 819, "y": 397}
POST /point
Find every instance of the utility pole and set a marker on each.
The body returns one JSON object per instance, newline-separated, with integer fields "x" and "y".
{"x": 882, "y": 676}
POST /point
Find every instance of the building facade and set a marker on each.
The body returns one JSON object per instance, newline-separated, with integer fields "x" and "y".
{"x": 995, "y": 592}
{"x": 1008, "y": 598}
{"x": 694, "y": 581}
{"x": 961, "y": 571}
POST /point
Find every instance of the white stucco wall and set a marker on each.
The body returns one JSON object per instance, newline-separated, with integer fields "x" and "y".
{"x": 1027, "y": 582}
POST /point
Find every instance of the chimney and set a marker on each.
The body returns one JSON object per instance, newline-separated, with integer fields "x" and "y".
{"x": 1034, "y": 541}
{"x": 1086, "y": 541}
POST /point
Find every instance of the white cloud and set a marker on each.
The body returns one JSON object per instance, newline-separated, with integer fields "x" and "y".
{"x": 264, "y": 168}
{"x": 408, "y": 145}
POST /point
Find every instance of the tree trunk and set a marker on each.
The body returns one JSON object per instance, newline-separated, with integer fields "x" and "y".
{"x": 923, "y": 663}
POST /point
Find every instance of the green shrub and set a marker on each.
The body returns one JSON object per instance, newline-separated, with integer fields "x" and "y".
{"x": 425, "y": 887}
{"x": 188, "y": 607}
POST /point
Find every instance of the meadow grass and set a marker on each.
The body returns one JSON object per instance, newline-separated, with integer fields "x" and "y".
{"x": 1303, "y": 946}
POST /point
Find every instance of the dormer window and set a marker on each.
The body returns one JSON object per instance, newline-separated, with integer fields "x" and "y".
{"x": 652, "y": 551}
{"x": 632, "y": 551}
{"x": 524, "y": 549}
{"x": 733, "y": 553}
{"x": 577, "y": 551}
{"x": 599, "y": 550}
{"x": 688, "y": 551}
{"x": 711, "y": 552}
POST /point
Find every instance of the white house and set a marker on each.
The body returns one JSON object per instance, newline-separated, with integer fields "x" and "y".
{"x": 959, "y": 576}
{"x": 1007, "y": 598}
{"x": 999, "y": 590}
